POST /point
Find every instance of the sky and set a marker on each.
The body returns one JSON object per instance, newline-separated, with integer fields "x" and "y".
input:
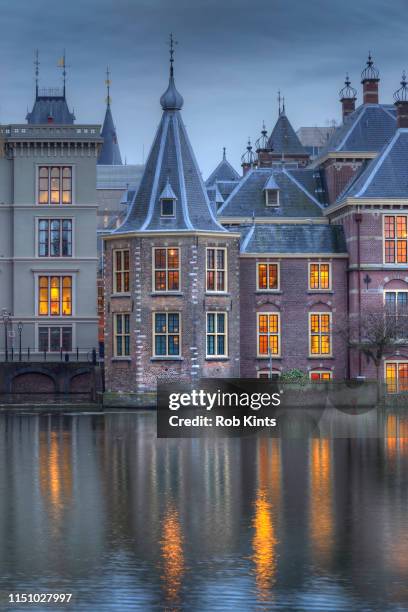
{"x": 231, "y": 59}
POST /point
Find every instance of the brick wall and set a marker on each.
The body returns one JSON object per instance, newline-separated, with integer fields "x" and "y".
{"x": 338, "y": 173}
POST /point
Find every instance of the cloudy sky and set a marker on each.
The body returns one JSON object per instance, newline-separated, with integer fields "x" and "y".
{"x": 231, "y": 59}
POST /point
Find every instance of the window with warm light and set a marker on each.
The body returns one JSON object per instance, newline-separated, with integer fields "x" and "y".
{"x": 320, "y": 333}
{"x": 319, "y": 276}
{"x": 217, "y": 330}
{"x": 121, "y": 269}
{"x": 216, "y": 270}
{"x": 121, "y": 335}
{"x": 55, "y": 238}
{"x": 395, "y": 239}
{"x": 268, "y": 334}
{"x": 55, "y": 185}
{"x": 396, "y": 376}
{"x": 166, "y": 334}
{"x": 54, "y": 339}
{"x": 320, "y": 375}
{"x": 267, "y": 276}
{"x": 166, "y": 269}
{"x": 55, "y": 296}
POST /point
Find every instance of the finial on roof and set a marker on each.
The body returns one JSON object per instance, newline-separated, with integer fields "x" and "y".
{"x": 248, "y": 157}
{"x": 62, "y": 64}
{"x": 348, "y": 92}
{"x": 283, "y": 105}
{"x": 401, "y": 95}
{"x": 370, "y": 72}
{"x": 279, "y": 102}
{"x": 171, "y": 99}
{"x": 224, "y": 156}
{"x": 108, "y": 84}
{"x": 37, "y": 71}
{"x": 262, "y": 142}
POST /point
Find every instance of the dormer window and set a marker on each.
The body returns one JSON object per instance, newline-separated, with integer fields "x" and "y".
{"x": 272, "y": 197}
{"x": 168, "y": 201}
{"x": 271, "y": 191}
{"x": 167, "y": 207}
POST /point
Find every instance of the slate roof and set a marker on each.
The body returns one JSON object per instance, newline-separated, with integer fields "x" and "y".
{"x": 50, "y": 106}
{"x": 110, "y": 152}
{"x": 386, "y": 176}
{"x": 294, "y": 238}
{"x": 296, "y": 198}
{"x": 171, "y": 159}
{"x": 223, "y": 172}
{"x": 227, "y": 187}
{"x": 283, "y": 139}
{"x": 368, "y": 128}
{"x": 118, "y": 177}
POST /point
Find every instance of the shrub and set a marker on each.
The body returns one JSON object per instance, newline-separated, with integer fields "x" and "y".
{"x": 295, "y": 376}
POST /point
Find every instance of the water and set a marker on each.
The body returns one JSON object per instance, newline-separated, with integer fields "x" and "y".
{"x": 96, "y": 506}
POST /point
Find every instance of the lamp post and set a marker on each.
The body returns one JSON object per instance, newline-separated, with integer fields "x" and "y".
{"x": 6, "y": 319}
{"x": 20, "y": 331}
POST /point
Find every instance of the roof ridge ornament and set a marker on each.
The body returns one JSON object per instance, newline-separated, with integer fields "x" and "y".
{"x": 37, "y": 71}
{"x": 347, "y": 92}
{"x": 401, "y": 95}
{"x": 370, "y": 72}
{"x": 171, "y": 99}
{"x": 262, "y": 142}
{"x": 248, "y": 157}
{"x": 108, "y": 83}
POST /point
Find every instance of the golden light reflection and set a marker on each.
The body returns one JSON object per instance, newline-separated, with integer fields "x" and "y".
{"x": 172, "y": 555}
{"x": 321, "y": 500}
{"x": 264, "y": 542}
{"x": 396, "y": 436}
{"x": 55, "y": 470}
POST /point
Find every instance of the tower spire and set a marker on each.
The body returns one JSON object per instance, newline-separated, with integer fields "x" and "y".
{"x": 37, "y": 71}
{"x": 224, "y": 156}
{"x": 172, "y": 44}
{"x": 108, "y": 84}
{"x": 279, "y": 102}
{"x": 63, "y": 66}
{"x": 171, "y": 99}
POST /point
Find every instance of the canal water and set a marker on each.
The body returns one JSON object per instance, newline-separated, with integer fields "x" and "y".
{"x": 96, "y": 506}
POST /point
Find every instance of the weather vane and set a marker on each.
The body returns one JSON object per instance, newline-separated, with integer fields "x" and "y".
{"x": 108, "y": 84}
{"x": 172, "y": 44}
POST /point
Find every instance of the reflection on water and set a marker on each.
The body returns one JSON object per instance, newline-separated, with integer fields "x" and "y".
{"x": 96, "y": 505}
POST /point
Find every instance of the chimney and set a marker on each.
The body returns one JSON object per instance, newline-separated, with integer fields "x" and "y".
{"x": 248, "y": 159}
{"x": 263, "y": 149}
{"x": 348, "y": 97}
{"x": 401, "y": 103}
{"x": 370, "y": 77}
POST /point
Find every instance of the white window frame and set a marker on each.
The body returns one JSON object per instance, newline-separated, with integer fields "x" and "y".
{"x": 321, "y": 355}
{"x": 319, "y": 263}
{"x": 37, "y": 237}
{"x": 273, "y": 204}
{"x": 215, "y": 270}
{"x": 217, "y": 355}
{"x": 268, "y": 334}
{"x": 48, "y": 325}
{"x": 60, "y": 273}
{"x": 162, "y": 200}
{"x": 123, "y": 335}
{"x": 267, "y": 263}
{"x": 395, "y": 215}
{"x": 277, "y": 373}
{"x": 320, "y": 372}
{"x": 166, "y": 334}
{"x": 54, "y": 322}
{"x": 122, "y": 272}
{"x": 395, "y": 362}
{"x": 166, "y": 269}
{"x": 37, "y": 184}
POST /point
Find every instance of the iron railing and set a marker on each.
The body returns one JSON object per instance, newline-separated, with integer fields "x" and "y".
{"x": 29, "y": 354}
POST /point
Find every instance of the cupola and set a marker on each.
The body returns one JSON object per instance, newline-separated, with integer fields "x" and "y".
{"x": 348, "y": 97}
{"x": 401, "y": 103}
{"x": 370, "y": 77}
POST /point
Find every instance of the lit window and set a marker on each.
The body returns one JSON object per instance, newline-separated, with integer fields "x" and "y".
{"x": 55, "y": 238}
{"x": 166, "y": 272}
{"x": 166, "y": 334}
{"x": 55, "y": 185}
{"x": 268, "y": 276}
{"x": 55, "y": 296}
{"x": 319, "y": 276}
{"x": 319, "y": 375}
{"x": 216, "y": 270}
{"x": 395, "y": 239}
{"x": 268, "y": 334}
{"x": 54, "y": 339}
{"x": 396, "y": 376}
{"x": 217, "y": 334}
{"x": 121, "y": 335}
{"x": 121, "y": 271}
{"x": 167, "y": 207}
{"x": 320, "y": 333}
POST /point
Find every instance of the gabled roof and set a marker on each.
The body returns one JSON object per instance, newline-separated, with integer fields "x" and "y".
{"x": 385, "y": 176}
{"x": 283, "y": 140}
{"x": 295, "y": 200}
{"x": 227, "y": 187}
{"x": 223, "y": 172}
{"x": 171, "y": 159}
{"x": 294, "y": 238}
{"x": 110, "y": 152}
{"x": 50, "y": 106}
{"x": 368, "y": 128}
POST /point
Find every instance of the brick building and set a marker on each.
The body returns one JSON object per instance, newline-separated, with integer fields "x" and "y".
{"x": 256, "y": 274}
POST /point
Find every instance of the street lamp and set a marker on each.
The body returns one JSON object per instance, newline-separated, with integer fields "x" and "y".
{"x": 20, "y": 330}
{"x": 6, "y": 319}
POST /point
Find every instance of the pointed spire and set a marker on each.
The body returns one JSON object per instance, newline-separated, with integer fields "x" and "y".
{"x": 171, "y": 99}
{"x": 279, "y": 102}
{"x": 224, "y": 156}
{"x": 110, "y": 152}
{"x": 108, "y": 84}
{"x": 37, "y": 71}
{"x": 63, "y": 66}
{"x": 283, "y": 105}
